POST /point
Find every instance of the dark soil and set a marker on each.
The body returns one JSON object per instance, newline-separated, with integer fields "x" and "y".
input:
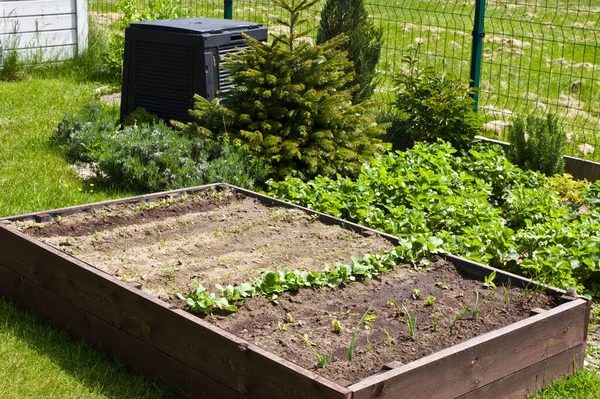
{"x": 223, "y": 238}
{"x": 279, "y": 328}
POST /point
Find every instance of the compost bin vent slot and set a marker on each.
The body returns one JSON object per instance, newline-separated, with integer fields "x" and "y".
{"x": 166, "y": 62}
{"x": 224, "y": 81}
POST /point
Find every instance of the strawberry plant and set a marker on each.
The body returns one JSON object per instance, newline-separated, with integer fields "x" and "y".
{"x": 477, "y": 205}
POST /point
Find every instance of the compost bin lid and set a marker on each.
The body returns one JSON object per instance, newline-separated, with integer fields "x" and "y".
{"x": 196, "y": 25}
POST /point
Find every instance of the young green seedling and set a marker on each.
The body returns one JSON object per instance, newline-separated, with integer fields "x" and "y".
{"x": 431, "y": 302}
{"x": 323, "y": 359}
{"x": 488, "y": 282}
{"x": 352, "y": 341}
{"x": 411, "y": 321}
{"x": 461, "y": 313}
{"x": 389, "y": 337}
{"x": 368, "y": 321}
{"x": 506, "y": 292}
{"x": 337, "y": 327}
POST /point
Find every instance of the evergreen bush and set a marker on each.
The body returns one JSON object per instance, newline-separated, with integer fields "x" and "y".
{"x": 350, "y": 18}
{"x": 537, "y": 144}
{"x": 431, "y": 105}
{"x": 290, "y": 103}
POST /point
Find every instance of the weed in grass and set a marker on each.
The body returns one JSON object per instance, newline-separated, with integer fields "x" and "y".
{"x": 323, "y": 359}
{"x": 354, "y": 333}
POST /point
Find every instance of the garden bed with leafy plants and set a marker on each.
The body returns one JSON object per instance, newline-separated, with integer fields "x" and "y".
{"x": 367, "y": 326}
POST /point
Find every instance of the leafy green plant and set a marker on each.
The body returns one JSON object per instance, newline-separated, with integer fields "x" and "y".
{"x": 431, "y": 105}
{"x": 537, "y": 144}
{"x": 368, "y": 320}
{"x": 477, "y": 205}
{"x": 354, "y": 333}
{"x": 411, "y": 321}
{"x": 201, "y": 301}
{"x": 430, "y": 300}
{"x": 82, "y": 133}
{"x": 141, "y": 116}
{"x": 337, "y": 326}
{"x": 488, "y": 281}
{"x": 289, "y": 104}
{"x": 350, "y": 18}
{"x": 323, "y": 359}
{"x": 570, "y": 191}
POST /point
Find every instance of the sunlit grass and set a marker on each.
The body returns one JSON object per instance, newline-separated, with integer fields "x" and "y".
{"x": 37, "y": 361}
{"x": 34, "y": 176}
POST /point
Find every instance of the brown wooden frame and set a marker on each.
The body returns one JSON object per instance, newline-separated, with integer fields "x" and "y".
{"x": 198, "y": 359}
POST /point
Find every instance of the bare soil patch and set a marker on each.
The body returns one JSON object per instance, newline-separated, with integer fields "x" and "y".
{"x": 223, "y": 238}
{"x": 215, "y": 237}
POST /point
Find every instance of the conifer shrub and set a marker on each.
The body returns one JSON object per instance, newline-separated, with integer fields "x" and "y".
{"x": 350, "y": 18}
{"x": 432, "y": 105}
{"x": 290, "y": 104}
{"x": 537, "y": 144}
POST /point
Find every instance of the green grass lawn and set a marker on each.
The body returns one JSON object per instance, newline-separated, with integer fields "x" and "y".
{"x": 33, "y": 175}
{"x": 37, "y": 361}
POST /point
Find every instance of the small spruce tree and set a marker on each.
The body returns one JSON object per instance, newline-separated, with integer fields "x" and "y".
{"x": 350, "y": 18}
{"x": 290, "y": 103}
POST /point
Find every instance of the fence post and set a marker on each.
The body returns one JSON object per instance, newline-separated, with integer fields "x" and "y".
{"x": 477, "y": 49}
{"x": 228, "y": 9}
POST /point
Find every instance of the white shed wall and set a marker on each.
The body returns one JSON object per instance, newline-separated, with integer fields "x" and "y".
{"x": 50, "y": 29}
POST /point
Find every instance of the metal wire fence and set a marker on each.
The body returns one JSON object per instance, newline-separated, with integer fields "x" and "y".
{"x": 539, "y": 56}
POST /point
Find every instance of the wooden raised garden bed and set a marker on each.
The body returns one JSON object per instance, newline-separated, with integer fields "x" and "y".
{"x": 136, "y": 318}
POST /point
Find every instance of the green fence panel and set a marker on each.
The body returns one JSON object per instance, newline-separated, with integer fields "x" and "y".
{"x": 538, "y": 56}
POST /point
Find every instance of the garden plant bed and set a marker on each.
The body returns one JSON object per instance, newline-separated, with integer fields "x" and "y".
{"x": 244, "y": 354}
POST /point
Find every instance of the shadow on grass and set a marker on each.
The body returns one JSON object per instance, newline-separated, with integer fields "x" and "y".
{"x": 89, "y": 368}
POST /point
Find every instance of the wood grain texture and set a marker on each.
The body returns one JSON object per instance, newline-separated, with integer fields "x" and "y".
{"x": 480, "y": 361}
{"x": 533, "y": 378}
{"x": 134, "y": 353}
{"x": 188, "y": 339}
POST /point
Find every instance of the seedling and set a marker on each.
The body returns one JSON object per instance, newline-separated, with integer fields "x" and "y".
{"x": 460, "y": 315}
{"x": 476, "y": 306}
{"x": 337, "y": 327}
{"x": 488, "y": 282}
{"x": 416, "y": 294}
{"x": 506, "y": 289}
{"x": 411, "y": 321}
{"x": 389, "y": 337}
{"x": 323, "y": 359}
{"x": 352, "y": 341}
{"x": 368, "y": 320}
{"x": 430, "y": 300}
{"x": 289, "y": 318}
{"x": 391, "y": 302}
{"x": 442, "y": 285}
{"x": 282, "y": 327}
